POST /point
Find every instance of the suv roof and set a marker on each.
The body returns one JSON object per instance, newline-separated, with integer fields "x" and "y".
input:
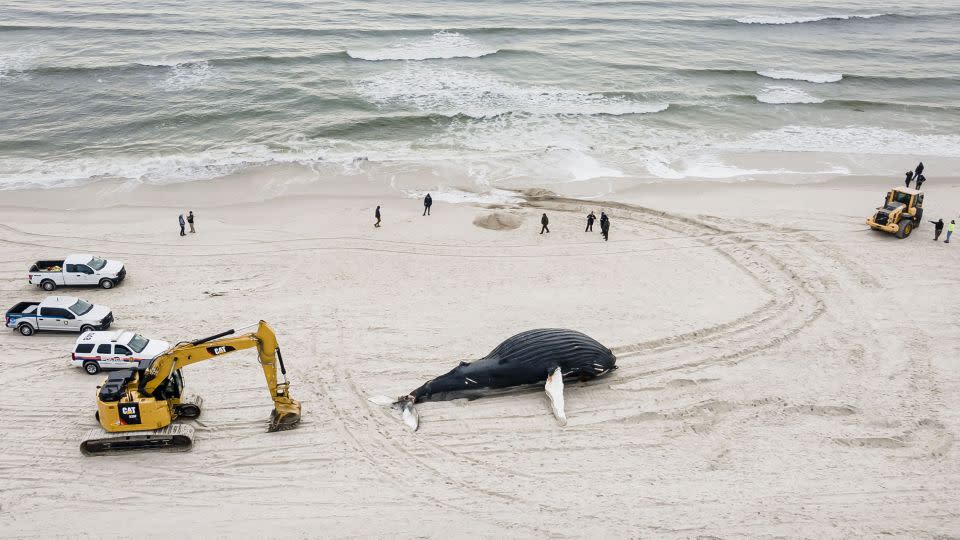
{"x": 59, "y": 301}
{"x": 108, "y": 336}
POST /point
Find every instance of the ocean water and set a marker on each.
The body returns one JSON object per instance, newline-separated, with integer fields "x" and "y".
{"x": 474, "y": 94}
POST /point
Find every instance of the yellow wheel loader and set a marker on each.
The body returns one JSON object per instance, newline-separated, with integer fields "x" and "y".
{"x": 137, "y": 407}
{"x": 901, "y": 213}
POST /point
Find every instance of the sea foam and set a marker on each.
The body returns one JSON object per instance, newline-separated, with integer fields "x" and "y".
{"x": 780, "y": 95}
{"x": 451, "y": 92}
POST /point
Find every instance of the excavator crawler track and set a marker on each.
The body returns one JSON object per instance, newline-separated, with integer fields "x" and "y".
{"x": 175, "y": 437}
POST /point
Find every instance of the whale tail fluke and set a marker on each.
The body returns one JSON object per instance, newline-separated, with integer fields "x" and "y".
{"x": 554, "y": 390}
{"x": 408, "y": 411}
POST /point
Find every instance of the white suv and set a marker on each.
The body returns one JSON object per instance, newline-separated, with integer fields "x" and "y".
{"x": 113, "y": 350}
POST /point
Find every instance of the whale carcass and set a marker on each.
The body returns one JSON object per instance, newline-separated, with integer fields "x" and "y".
{"x": 546, "y": 356}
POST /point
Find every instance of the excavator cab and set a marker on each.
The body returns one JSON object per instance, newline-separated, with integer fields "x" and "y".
{"x": 902, "y": 211}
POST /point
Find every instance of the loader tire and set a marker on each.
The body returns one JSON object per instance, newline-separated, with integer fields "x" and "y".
{"x": 906, "y": 227}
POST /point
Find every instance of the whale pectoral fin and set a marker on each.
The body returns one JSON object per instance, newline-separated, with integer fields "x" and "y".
{"x": 409, "y": 414}
{"x": 554, "y": 389}
{"x": 408, "y": 411}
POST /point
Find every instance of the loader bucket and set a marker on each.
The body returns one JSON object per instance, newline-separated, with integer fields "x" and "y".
{"x": 284, "y": 416}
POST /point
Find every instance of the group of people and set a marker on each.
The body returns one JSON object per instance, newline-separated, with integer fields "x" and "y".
{"x": 427, "y": 203}
{"x": 938, "y": 228}
{"x": 916, "y": 174}
{"x": 604, "y": 224}
{"x": 184, "y": 223}
{"x": 591, "y": 217}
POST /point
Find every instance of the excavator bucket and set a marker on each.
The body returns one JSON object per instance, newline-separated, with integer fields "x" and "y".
{"x": 284, "y": 416}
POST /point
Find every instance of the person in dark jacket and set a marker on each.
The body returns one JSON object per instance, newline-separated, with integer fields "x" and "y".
{"x": 909, "y": 177}
{"x": 183, "y": 224}
{"x": 919, "y": 170}
{"x": 377, "y": 215}
{"x": 591, "y": 217}
{"x": 920, "y": 180}
{"x": 937, "y": 229}
{"x": 427, "y": 203}
{"x": 544, "y": 221}
{"x": 190, "y": 221}
{"x": 605, "y": 229}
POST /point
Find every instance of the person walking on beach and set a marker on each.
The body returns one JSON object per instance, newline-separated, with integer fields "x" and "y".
{"x": 950, "y": 228}
{"x": 909, "y": 177}
{"x": 603, "y": 219}
{"x": 591, "y": 217}
{"x": 377, "y": 215}
{"x": 190, "y": 221}
{"x": 183, "y": 224}
{"x": 605, "y": 229}
{"x": 937, "y": 229}
{"x": 427, "y": 203}
{"x": 920, "y": 180}
{"x": 919, "y": 170}
{"x": 544, "y": 221}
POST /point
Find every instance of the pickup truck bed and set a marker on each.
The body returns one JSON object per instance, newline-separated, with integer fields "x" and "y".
{"x": 47, "y": 266}
{"x": 23, "y": 308}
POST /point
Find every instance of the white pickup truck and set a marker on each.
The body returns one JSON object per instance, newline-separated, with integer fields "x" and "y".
{"x": 116, "y": 349}
{"x": 58, "y": 314}
{"x": 77, "y": 270}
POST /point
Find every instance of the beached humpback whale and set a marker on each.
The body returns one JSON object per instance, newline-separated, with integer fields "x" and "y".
{"x": 547, "y": 356}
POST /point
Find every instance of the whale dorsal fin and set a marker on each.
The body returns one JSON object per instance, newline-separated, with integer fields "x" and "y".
{"x": 554, "y": 390}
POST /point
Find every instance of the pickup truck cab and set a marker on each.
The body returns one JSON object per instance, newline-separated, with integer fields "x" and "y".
{"x": 77, "y": 270}
{"x": 116, "y": 349}
{"x": 58, "y": 314}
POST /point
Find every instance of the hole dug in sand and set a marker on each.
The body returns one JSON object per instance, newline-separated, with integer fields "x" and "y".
{"x": 499, "y": 221}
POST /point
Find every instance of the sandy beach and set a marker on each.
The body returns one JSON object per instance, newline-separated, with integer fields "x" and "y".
{"x": 783, "y": 371}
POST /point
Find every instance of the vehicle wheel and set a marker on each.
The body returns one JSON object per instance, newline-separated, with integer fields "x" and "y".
{"x": 86, "y": 328}
{"x": 919, "y": 219}
{"x": 97, "y": 415}
{"x": 25, "y": 329}
{"x": 106, "y": 283}
{"x": 48, "y": 285}
{"x": 92, "y": 368}
{"x": 188, "y": 410}
{"x": 906, "y": 227}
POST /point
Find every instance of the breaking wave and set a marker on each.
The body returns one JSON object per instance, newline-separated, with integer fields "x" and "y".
{"x": 779, "y": 95}
{"x": 440, "y": 45}
{"x": 801, "y": 76}
{"x": 779, "y": 19}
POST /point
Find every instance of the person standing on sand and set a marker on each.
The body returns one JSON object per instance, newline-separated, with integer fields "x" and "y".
{"x": 920, "y": 180}
{"x": 183, "y": 224}
{"x": 591, "y": 217}
{"x": 919, "y": 170}
{"x": 937, "y": 229}
{"x": 377, "y": 215}
{"x": 427, "y": 203}
{"x": 544, "y": 221}
{"x": 950, "y": 228}
{"x": 190, "y": 221}
{"x": 909, "y": 177}
{"x": 605, "y": 229}
{"x": 603, "y": 219}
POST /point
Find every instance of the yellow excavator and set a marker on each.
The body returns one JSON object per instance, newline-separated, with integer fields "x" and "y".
{"x": 137, "y": 407}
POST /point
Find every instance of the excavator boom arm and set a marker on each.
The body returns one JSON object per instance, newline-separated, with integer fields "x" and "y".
{"x": 286, "y": 412}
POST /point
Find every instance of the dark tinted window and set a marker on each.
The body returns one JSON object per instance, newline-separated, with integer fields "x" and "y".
{"x": 120, "y": 349}
{"x": 84, "y": 348}
{"x": 84, "y": 269}
{"x": 58, "y": 313}
{"x": 103, "y": 349}
{"x": 72, "y": 268}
